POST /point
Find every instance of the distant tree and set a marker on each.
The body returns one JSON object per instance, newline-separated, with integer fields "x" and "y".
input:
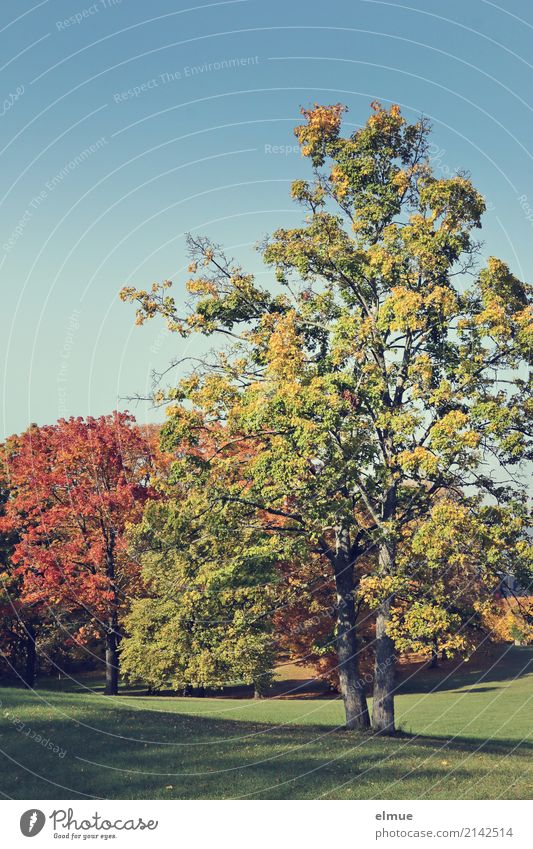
{"x": 74, "y": 487}
{"x": 19, "y": 627}
{"x": 449, "y": 564}
{"x": 513, "y": 620}
{"x": 305, "y": 618}
{"x": 385, "y": 368}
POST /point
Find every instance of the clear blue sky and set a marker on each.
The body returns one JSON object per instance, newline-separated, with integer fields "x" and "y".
{"x": 114, "y": 144}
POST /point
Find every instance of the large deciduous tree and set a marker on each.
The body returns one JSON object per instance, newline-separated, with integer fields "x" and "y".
{"x": 383, "y": 368}
{"x": 73, "y": 488}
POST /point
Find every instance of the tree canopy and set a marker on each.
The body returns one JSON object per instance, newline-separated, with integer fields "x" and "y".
{"x": 74, "y": 487}
{"x": 385, "y": 368}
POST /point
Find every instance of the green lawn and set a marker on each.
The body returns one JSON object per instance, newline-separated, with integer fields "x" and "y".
{"x": 466, "y": 735}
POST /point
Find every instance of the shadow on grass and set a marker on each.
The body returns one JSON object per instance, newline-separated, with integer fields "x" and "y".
{"x": 116, "y": 752}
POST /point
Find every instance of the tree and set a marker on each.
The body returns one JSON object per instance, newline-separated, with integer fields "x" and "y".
{"x": 449, "y": 564}
{"x": 206, "y": 618}
{"x": 305, "y": 616}
{"x": 384, "y": 369}
{"x": 74, "y": 487}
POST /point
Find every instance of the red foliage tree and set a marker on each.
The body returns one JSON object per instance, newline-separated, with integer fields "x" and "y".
{"x": 74, "y": 488}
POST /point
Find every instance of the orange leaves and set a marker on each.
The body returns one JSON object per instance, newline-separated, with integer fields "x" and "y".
{"x": 202, "y": 286}
{"x": 74, "y": 487}
{"x": 322, "y": 127}
{"x": 511, "y": 620}
{"x": 387, "y": 121}
{"x": 326, "y": 119}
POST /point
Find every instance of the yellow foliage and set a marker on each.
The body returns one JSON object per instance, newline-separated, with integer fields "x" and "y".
{"x": 340, "y": 181}
{"x": 401, "y": 181}
{"x": 285, "y": 355}
{"x": 419, "y": 459}
{"x": 401, "y": 310}
{"x": 511, "y": 620}
{"x": 451, "y": 431}
{"x": 444, "y": 299}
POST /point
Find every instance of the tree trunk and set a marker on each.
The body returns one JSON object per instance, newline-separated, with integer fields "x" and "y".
{"x": 259, "y": 689}
{"x": 351, "y": 685}
{"x": 261, "y": 686}
{"x": 31, "y": 657}
{"x": 384, "y": 672}
{"x": 112, "y": 635}
{"x": 111, "y": 660}
{"x": 435, "y": 655}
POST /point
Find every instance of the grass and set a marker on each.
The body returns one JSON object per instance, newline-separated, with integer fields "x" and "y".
{"x": 466, "y": 734}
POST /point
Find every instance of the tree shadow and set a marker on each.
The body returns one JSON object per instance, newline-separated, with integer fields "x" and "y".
{"x": 114, "y": 751}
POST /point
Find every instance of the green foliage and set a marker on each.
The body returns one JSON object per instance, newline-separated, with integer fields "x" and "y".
{"x": 207, "y": 616}
{"x": 372, "y": 381}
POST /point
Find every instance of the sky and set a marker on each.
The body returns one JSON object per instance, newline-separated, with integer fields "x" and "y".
{"x": 125, "y": 125}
